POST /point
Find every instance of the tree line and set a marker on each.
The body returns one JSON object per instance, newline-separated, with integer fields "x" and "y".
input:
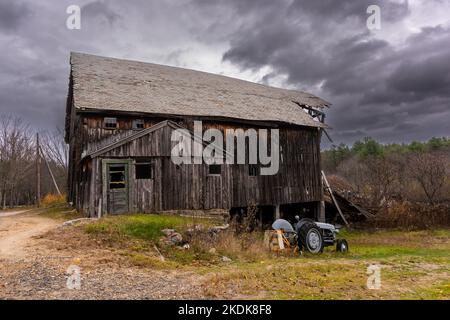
{"x": 416, "y": 171}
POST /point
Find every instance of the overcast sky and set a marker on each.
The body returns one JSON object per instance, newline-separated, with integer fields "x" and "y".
{"x": 392, "y": 84}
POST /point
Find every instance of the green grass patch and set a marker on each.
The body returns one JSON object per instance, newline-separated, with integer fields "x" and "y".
{"x": 139, "y": 233}
{"x": 138, "y": 226}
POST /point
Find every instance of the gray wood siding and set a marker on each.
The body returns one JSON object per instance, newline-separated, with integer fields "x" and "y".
{"x": 189, "y": 186}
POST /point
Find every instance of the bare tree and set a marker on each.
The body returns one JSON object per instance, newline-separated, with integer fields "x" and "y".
{"x": 429, "y": 170}
{"x": 376, "y": 178}
{"x": 54, "y": 147}
{"x": 16, "y": 153}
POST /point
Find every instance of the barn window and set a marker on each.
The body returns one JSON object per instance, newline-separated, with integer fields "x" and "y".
{"x": 110, "y": 123}
{"x": 138, "y": 124}
{"x": 253, "y": 170}
{"x": 214, "y": 169}
{"x": 144, "y": 170}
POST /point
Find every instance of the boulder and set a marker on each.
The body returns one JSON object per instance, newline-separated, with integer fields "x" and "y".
{"x": 167, "y": 232}
{"x": 175, "y": 238}
{"x": 226, "y": 259}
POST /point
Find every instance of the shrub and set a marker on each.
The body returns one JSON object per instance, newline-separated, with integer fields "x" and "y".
{"x": 51, "y": 200}
{"x": 411, "y": 215}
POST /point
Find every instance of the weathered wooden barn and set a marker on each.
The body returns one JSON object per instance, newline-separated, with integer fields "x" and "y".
{"x": 120, "y": 116}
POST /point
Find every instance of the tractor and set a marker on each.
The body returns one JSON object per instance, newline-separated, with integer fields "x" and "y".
{"x": 305, "y": 235}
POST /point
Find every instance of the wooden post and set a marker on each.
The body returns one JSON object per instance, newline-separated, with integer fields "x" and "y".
{"x": 277, "y": 212}
{"x": 260, "y": 219}
{"x": 38, "y": 173}
{"x": 321, "y": 217}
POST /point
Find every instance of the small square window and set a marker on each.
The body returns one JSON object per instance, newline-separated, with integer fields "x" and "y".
{"x": 110, "y": 123}
{"x": 144, "y": 170}
{"x": 214, "y": 169}
{"x": 138, "y": 124}
{"x": 253, "y": 170}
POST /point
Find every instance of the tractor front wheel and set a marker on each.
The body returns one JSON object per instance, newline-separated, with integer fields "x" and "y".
{"x": 341, "y": 245}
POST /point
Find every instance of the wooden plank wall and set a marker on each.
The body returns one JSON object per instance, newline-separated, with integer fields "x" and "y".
{"x": 190, "y": 186}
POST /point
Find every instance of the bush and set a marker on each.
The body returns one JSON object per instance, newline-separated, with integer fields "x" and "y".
{"x": 410, "y": 215}
{"x": 51, "y": 200}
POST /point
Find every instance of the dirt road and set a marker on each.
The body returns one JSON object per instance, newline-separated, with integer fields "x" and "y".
{"x": 17, "y": 229}
{"x": 33, "y": 267}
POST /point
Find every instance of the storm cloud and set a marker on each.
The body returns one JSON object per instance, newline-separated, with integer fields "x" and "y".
{"x": 392, "y": 84}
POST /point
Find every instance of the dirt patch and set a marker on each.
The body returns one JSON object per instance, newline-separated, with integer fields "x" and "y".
{"x": 36, "y": 253}
{"x": 12, "y": 212}
{"x": 17, "y": 231}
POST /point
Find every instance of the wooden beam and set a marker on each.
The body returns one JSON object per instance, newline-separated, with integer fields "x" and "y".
{"x": 333, "y": 198}
{"x": 50, "y": 172}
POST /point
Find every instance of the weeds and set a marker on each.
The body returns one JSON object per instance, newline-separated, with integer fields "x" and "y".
{"x": 414, "y": 264}
{"x": 412, "y": 216}
{"x": 52, "y": 200}
{"x": 56, "y": 207}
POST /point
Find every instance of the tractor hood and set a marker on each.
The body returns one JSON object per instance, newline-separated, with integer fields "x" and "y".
{"x": 327, "y": 226}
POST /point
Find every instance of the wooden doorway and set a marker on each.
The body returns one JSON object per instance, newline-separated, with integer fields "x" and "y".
{"x": 117, "y": 186}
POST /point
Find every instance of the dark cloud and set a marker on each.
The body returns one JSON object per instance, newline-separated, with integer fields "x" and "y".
{"x": 375, "y": 86}
{"x": 394, "y": 91}
{"x": 99, "y": 11}
{"x": 12, "y": 14}
{"x": 347, "y": 9}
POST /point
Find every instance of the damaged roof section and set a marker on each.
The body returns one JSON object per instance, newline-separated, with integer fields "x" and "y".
{"x": 101, "y": 83}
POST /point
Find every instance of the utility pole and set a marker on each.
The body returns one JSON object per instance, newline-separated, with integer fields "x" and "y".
{"x": 38, "y": 173}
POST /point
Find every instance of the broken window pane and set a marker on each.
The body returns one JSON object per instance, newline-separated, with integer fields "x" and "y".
{"x": 117, "y": 177}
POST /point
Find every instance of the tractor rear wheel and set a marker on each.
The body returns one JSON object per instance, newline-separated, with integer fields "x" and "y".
{"x": 310, "y": 238}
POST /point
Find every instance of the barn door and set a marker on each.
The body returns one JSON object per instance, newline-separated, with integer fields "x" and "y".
{"x": 117, "y": 187}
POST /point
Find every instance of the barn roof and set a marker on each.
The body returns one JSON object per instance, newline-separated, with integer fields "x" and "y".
{"x": 102, "y": 83}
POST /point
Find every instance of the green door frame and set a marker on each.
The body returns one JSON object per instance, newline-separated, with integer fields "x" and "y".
{"x": 129, "y": 169}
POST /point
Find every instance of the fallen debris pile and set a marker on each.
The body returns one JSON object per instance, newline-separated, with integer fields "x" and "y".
{"x": 197, "y": 235}
{"x": 172, "y": 237}
{"x": 349, "y": 203}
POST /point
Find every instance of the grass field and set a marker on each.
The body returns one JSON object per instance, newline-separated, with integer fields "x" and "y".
{"x": 413, "y": 264}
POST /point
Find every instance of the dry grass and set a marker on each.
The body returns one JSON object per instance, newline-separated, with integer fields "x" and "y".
{"x": 414, "y": 264}
{"x": 411, "y": 216}
{"x": 245, "y": 247}
{"x": 54, "y": 200}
